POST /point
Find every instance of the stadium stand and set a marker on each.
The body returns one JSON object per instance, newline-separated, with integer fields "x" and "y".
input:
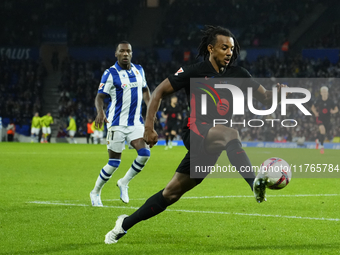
{"x": 98, "y": 24}
{"x": 21, "y": 83}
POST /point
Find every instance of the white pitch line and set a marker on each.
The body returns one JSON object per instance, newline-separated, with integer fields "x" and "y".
{"x": 243, "y": 196}
{"x": 192, "y": 211}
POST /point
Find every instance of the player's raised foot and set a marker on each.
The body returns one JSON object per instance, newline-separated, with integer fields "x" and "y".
{"x": 259, "y": 186}
{"x": 124, "y": 195}
{"x": 322, "y": 150}
{"x": 170, "y": 145}
{"x": 317, "y": 144}
{"x": 95, "y": 199}
{"x": 117, "y": 232}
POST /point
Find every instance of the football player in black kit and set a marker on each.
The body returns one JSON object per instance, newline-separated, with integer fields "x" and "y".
{"x": 172, "y": 114}
{"x": 322, "y": 108}
{"x": 219, "y": 50}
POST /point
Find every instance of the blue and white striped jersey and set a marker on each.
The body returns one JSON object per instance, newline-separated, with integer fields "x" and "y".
{"x": 125, "y": 88}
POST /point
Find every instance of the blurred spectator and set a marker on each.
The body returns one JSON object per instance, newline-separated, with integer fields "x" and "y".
{"x": 89, "y": 134}
{"x": 10, "y": 131}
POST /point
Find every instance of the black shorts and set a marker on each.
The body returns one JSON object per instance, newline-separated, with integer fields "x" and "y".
{"x": 196, "y": 155}
{"x": 326, "y": 123}
{"x": 171, "y": 126}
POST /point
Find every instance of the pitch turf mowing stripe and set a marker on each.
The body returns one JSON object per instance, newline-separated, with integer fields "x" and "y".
{"x": 192, "y": 211}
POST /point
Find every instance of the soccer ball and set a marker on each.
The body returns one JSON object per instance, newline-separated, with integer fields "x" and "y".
{"x": 278, "y": 172}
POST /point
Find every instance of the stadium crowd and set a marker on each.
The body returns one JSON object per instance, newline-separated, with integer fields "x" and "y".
{"x": 80, "y": 81}
{"x": 271, "y": 21}
{"x": 21, "y": 83}
{"x": 86, "y": 23}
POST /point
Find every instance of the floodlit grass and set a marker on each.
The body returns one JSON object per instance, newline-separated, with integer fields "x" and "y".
{"x": 45, "y": 206}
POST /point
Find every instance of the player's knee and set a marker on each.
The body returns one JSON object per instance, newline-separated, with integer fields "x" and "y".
{"x": 221, "y": 135}
{"x": 232, "y": 134}
{"x": 143, "y": 155}
{"x": 171, "y": 197}
{"x": 114, "y": 163}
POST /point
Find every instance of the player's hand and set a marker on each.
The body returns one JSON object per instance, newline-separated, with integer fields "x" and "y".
{"x": 279, "y": 86}
{"x": 100, "y": 119}
{"x": 150, "y": 136}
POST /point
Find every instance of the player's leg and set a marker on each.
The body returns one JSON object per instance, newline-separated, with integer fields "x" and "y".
{"x": 179, "y": 184}
{"x": 224, "y": 138}
{"x": 71, "y": 133}
{"x": 101, "y": 135}
{"x": 45, "y": 134}
{"x": 48, "y": 138}
{"x": 115, "y": 146}
{"x": 322, "y": 130}
{"x": 143, "y": 155}
{"x": 172, "y": 136}
{"x": 42, "y": 140}
{"x": 166, "y": 139}
{"x": 34, "y": 134}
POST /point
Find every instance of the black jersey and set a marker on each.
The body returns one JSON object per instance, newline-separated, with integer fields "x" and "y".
{"x": 181, "y": 79}
{"x": 172, "y": 113}
{"x": 324, "y": 108}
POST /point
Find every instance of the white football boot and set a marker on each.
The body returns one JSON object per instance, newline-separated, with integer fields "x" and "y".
{"x": 124, "y": 195}
{"x": 117, "y": 232}
{"x": 95, "y": 199}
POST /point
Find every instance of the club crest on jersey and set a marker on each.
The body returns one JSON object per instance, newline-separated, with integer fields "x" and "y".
{"x": 179, "y": 71}
{"x": 101, "y": 85}
{"x": 124, "y": 86}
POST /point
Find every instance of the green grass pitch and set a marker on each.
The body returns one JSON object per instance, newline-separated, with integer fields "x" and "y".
{"x": 45, "y": 206}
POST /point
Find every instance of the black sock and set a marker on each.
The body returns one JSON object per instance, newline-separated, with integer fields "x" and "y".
{"x": 153, "y": 206}
{"x": 322, "y": 138}
{"x": 172, "y": 137}
{"x": 318, "y": 137}
{"x": 238, "y": 158}
{"x": 166, "y": 140}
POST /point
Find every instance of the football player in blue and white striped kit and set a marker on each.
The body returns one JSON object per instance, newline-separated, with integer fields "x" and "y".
{"x": 125, "y": 83}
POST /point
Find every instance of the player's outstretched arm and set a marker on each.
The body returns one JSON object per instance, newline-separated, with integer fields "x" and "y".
{"x": 313, "y": 108}
{"x": 162, "y": 90}
{"x": 99, "y": 103}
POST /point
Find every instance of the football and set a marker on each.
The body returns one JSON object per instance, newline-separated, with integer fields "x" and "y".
{"x": 278, "y": 172}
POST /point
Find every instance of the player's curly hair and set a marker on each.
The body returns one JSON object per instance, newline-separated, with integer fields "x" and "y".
{"x": 209, "y": 37}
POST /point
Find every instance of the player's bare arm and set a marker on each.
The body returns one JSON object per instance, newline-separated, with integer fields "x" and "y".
{"x": 313, "y": 108}
{"x": 146, "y": 96}
{"x": 99, "y": 103}
{"x": 266, "y": 96}
{"x": 162, "y": 90}
{"x": 334, "y": 110}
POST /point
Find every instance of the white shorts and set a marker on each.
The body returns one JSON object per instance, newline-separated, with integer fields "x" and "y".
{"x": 117, "y": 135}
{"x": 98, "y": 134}
{"x": 71, "y": 133}
{"x": 35, "y": 131}
{"x": 46, "y": 130}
